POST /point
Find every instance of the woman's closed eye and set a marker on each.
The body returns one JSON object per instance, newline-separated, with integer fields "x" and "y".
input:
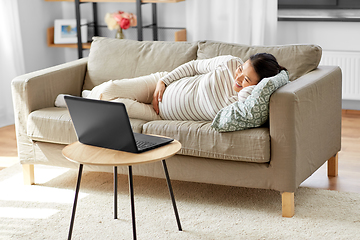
{"x": 245, "y": 77}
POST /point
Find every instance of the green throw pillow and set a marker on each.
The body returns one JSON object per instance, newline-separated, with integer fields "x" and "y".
{"x": 254, "y": 112}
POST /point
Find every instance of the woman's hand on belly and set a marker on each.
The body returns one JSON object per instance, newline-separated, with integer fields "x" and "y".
{"x": 158, "y": 94}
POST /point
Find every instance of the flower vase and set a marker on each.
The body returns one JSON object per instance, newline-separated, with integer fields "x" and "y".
{"x": 120, "y": 34}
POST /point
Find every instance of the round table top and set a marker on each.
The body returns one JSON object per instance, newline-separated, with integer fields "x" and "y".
{"x": 86, "y": 154}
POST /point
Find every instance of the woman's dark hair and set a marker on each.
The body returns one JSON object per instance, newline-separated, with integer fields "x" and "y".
{"x": 265, "y": 65}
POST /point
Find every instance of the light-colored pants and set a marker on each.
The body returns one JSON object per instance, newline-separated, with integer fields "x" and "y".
{"x": 135, "y": 93}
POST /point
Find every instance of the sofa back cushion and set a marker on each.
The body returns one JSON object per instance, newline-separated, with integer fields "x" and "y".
{"x": 298, "y": 59}
{"x": 111, "y": 59}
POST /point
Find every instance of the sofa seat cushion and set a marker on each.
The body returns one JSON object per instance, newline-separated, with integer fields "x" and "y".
{"x": 54, "y": 125}
{"x": 112, "y": 59}
{"x": 199, "y": 139}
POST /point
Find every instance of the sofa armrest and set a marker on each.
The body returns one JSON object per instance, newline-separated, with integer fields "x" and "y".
{"x": 305, "y": 125}
{"x": 39, "y": 90}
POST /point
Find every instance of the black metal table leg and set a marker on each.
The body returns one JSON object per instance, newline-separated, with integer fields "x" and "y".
{"x": 172, "y": 195}
{"x": 115, "y": 192}
{"x": 131, "y": 188}
{"x": 75, "y": 201}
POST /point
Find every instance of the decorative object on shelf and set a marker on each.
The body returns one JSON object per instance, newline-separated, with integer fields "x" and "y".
{"x": 119, "y": 34}
{"x": 65, "y": 31}
{"x": 120, "y": 20}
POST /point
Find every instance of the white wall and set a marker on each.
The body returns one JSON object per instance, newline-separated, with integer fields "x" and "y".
{"x": 331, "y": 36}
{"x": 35, "y": 17}
{"x": 338, "y": 36}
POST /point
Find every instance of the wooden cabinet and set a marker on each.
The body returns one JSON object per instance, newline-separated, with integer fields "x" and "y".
{"x": 179, "y": 35}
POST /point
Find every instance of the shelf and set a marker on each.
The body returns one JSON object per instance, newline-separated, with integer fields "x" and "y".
{"x": 144, "y": 1}
{"x": 179, "y": 37}
{"x": 50, "y": 41}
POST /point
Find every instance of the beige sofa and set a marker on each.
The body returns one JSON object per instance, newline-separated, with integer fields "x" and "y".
{"x": 303, "y": 131}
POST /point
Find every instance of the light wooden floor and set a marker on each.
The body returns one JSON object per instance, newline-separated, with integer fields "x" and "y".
{"x": 8, "y": 149}
{"x": 349, "y": 157}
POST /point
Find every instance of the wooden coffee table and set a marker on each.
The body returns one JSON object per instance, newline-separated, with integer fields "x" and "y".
{"x": 85, "y": 154}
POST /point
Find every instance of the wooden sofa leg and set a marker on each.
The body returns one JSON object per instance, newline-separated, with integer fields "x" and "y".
{"x": 288, "y": 205}
{"x": 333, "y": 166}
{"x": 28, "y": 173}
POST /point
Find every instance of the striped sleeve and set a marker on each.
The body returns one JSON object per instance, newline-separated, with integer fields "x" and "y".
{"x": 245, "y": 92}
{"x": 193, "y": 68}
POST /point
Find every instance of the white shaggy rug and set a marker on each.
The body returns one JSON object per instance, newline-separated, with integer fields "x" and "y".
{"x": 43, "y": 211}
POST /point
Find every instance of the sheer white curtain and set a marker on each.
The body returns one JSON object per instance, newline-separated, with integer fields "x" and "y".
{"x": 252, "y": 22}
{"x": 11, "y": 57}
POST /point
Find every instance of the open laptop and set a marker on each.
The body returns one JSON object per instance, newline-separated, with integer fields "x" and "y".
{"x": 106, "y": 124}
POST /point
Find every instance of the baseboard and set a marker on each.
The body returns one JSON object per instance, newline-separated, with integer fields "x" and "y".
{"x": 6, "y": 120}
{"x": 2, "y": 123}
{"x": 351, "y": 104}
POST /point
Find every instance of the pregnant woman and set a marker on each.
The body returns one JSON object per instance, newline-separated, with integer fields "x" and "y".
{"x": 196, "y": 90}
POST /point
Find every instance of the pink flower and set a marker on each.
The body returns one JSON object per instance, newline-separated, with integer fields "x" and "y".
{"x": 124, "y": 23}
{"x": 120, "y": 19}
{"x": 133, "y": 20}
{"x": 126, "y": 15}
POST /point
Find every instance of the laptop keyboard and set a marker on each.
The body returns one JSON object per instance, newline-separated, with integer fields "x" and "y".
{"x": 144, "y": 144}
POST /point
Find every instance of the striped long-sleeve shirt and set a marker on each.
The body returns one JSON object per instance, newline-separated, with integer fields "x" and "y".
{"x": 199, "y": 89}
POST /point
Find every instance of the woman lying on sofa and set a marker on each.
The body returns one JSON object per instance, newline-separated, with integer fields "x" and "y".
{"x": 196, "y": 90}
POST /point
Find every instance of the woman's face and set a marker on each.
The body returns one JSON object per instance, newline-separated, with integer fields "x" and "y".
{"x": 245, "y": 76}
